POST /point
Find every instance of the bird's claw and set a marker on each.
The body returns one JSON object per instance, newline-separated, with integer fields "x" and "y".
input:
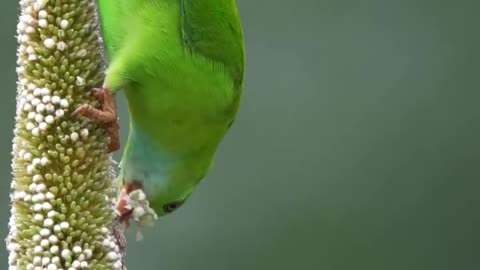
{"x": 106, "y": 115}
{"x": 98, "y": 94}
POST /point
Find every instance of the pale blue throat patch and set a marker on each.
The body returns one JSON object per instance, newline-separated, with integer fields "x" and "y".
{"x": 144, "y": 161}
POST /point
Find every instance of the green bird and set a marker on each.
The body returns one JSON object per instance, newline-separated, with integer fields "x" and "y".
{"x": 181, "y": 66}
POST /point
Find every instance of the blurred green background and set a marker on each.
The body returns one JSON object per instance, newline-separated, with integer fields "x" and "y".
{"x": 357, "y": 146}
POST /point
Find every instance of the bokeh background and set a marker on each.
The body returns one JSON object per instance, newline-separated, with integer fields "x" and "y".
{"x": 357, "y": 146}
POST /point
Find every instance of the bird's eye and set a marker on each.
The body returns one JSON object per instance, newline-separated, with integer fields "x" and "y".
{"x": 168, "y": 208}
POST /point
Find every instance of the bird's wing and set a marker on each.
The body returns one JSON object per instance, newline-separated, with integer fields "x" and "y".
{"x": 212, "y": 28}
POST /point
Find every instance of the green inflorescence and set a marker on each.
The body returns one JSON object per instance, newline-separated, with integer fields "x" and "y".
{"x": 62, "y": 188}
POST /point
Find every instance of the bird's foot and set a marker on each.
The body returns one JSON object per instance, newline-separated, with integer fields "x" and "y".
{"x": 106, "y": 115}
{"x": 133, "y": 204}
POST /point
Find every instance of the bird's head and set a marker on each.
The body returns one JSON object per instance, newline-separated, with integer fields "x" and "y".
{"x": 164, "y": 197}
{"x": 168, "y": 192}
{"x": 166, "y": 200}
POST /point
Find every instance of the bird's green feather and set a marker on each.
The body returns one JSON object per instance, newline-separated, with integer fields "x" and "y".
{"x": 213, "y": 29}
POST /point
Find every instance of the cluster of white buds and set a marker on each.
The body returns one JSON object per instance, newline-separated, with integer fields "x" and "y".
{"x": 142, "y": 213}
{"x": 140, "y": 206}
{"x": 62, "y": 187}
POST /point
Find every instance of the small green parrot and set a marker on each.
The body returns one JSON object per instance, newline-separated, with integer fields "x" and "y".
{"x": 181, "y": 66}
